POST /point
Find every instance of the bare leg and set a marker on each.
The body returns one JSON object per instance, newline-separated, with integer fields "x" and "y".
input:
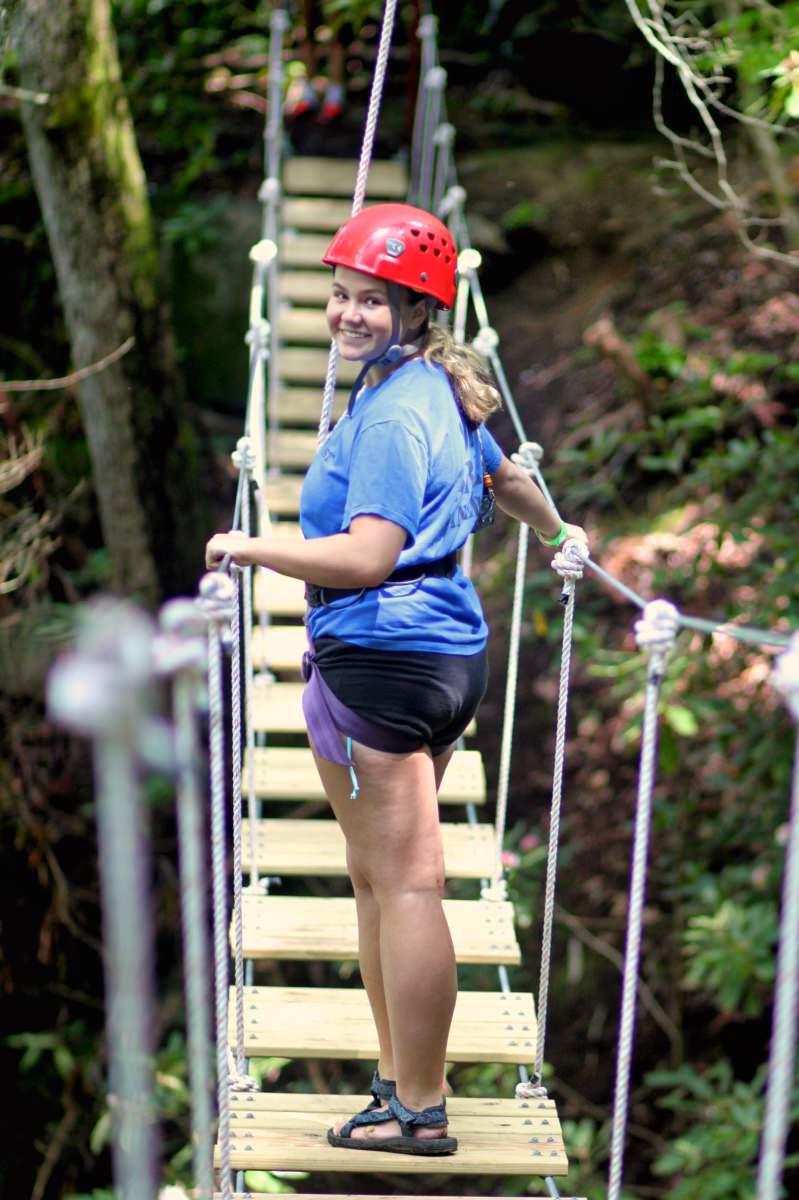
{"x": 395, "y": 856}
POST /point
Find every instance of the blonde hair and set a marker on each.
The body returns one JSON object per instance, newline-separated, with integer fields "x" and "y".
{"x": 471, "y": 378}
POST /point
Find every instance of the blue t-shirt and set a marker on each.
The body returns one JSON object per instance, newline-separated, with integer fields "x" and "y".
{"x": 406, "y": 454}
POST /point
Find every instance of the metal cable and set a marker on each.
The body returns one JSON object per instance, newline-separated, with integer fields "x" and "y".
{"x": 554, "y": 828}
{"x": 511, "y": 687}
{"x": 782, "y": 1052}
{"x": 364, "y": 162}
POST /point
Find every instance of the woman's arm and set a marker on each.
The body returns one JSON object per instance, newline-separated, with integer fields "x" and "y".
{"x": 519, "y": 497}
{"x": 361, "y": 557}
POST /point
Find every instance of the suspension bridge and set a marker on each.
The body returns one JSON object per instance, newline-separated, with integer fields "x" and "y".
{"x": 105, "y": 690}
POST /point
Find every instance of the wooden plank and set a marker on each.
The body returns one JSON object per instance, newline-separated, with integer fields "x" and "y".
{"x": 320, "y": 214}
{"x": 495, "y": 1137}
{"x": 279, "y": 595}
{"x": 279, "y": 648}
{"x": 302, "y": 405}
{"x": 283, "y": 494}
{"x": 337, "y": 1023}
{"x": 306, "y": 287}
{"x": 291, "y": 448}
{"x": 277, "y": 708}
{"x": 299, "y": 847}
{"x": 305, "y": 928}
{"x": 310, "y": 366}
{"x": 303, "y": 249}
{"x": 308, "y": 176}
{"x": 289, "y": 773}
{"x": 304, "y": 325}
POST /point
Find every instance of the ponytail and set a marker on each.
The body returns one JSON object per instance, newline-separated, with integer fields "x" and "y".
{"x": 471, "y": 379}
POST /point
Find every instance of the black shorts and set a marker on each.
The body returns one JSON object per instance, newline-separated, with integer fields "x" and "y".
{"x": 416, "y": 698}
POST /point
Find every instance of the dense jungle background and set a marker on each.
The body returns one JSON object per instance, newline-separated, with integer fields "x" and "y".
{"x": 641, "y": 276}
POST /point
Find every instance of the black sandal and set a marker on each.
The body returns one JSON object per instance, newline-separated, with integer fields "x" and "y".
{"x": 408, "y": 1119}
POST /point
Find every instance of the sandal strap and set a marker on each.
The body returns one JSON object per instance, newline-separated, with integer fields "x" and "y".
{"x": 377, "y": 1116}
{"x": 410, "y": 1119}
{"x": 381, "y": 1089}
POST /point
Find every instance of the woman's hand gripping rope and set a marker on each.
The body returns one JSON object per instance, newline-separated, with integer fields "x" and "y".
{"x": 238, "y": 546}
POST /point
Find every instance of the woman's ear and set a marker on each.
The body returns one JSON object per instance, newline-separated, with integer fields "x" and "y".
{"x": 416, "y": 317}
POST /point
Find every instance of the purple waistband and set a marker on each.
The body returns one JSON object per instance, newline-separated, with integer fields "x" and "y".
{"x": 327, "y": 719}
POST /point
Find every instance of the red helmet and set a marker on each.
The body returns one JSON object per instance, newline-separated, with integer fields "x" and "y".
{"x": 401, "y": 244}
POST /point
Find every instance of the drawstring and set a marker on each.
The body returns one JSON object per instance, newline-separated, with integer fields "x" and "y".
{"x": 356, "y": 787}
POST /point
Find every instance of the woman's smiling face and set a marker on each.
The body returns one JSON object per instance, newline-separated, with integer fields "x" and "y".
{"x": 359, "y": 315}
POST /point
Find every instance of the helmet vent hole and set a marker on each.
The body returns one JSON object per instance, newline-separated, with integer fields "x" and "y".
{"x": 415, "y": 232}
{"x": 423, "y": 248}
{"x": 431, "y": 235}
{"x": 437, "y": 252}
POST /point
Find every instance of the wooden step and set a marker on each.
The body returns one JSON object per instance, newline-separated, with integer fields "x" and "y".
{"x": 278, "y": 594}
{"x": 291, "y": 448}
{"x": 306, "y": 287}
{"x": 279, "y": 648}
{"x": 310, "y": 928}
{"x": 309, "y": 176}
{"x": 303, "y": 405}
{"x": 288, "y": 774}
{"x": 283, "y": 494}
{"x": 297, "y": 847}
{"x": 304, "y": 325}
{"x": 303, "y": 249}
{"x": 286, "y": 1132}
{"x": 312, "y": 213}
{"x": 277, "y": 708}
{"x": 337, "y": 1023}
{"x": 310, "y": 366}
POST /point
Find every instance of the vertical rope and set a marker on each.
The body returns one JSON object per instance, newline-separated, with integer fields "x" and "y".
{"x": 554, "y": 828}
{"x": 238, "y": 936}
{"x": 782, "y": 1052}
{"x": 219, "y": 588}
{"x": 247, "y": 585}
{"x": 367, "y": 145}
{"x": 655, "y": 632}
{"x": 510, "y": 703}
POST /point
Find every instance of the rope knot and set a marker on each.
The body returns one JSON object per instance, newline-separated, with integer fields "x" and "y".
{"x": 427, "y": 26}
{"x": 181, "y": 644}
{"x": 657, "y": 628}
{"x": 531, "y": 1091}
{"x": 269, "y": 192}
{"x": 444, "y": 135}
{"x": 217, "y": 599}
{"x": 569, "y": 560}
{"x": 243, "y": 457}
{"x": 264, "y": 251}
{"x": 436, "y": 79}
{"x": 280, "y": 20}
{"x": 785, "y": 676}
{"x": 486, "y": 341}
{"x": 454, "y": 197}
{"x": 259, "y": 334}
{"x": 528, "y": 456}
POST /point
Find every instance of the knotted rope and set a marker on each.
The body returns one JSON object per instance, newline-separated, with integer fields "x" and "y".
{"x": 655, "y": 633}
{"x": 217, "y": 603}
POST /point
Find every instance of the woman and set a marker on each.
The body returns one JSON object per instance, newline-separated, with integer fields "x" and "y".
{"x": 397, "y": 665}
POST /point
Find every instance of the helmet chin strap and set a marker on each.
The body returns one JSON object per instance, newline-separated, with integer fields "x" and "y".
{"x": 395, "y": 351}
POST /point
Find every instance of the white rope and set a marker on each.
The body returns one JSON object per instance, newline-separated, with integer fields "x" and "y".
{"x": 564, "y": 564}
{"x": 782, "y": 1053}
{"x": 217, "y": 601}
{"x": 235, "y": 735}
{"x": 655, "y": 633}
{"x": 364, "y": 162}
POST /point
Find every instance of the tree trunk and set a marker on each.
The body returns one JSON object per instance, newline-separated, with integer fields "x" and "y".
{"x": 92, "y": 191}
